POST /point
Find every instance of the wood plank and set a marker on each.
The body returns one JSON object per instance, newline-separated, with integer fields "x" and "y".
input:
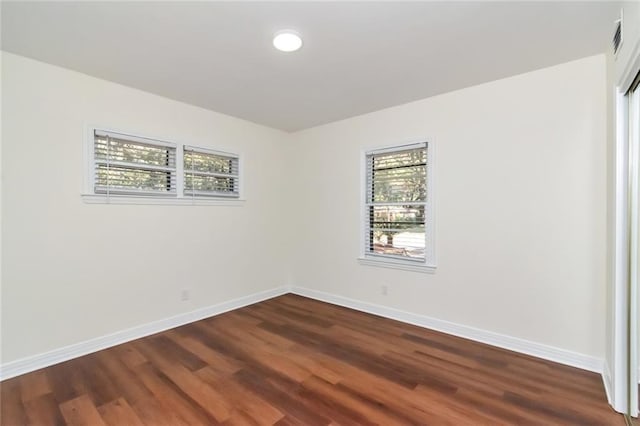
{"x": 129, "y": 356}
{"x": 127, "y": 384}
{"x": 43, "y": 410}
{"x": 251, "y": 405}
{"x": 66, "y": 380}
{"x": 81, "y": 411}
{"x": 154, "y": 413}
{"x": 190, "y": 386}
{"x": 171, "y": 398}
{"x": 12, "y": 409}
{"x": 119, "y": 412}
{"x": 34, "y": 385}
{"x": 213, "y": 359}
{"x": 296, "y": 361}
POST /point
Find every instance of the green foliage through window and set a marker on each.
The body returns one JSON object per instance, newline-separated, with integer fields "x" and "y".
{"x": 210, "y": 174}
{"x": 131, "y": 165}
{"x": 124, "y": 166}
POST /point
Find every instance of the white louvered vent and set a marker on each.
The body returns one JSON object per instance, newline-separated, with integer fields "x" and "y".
{"x": 617, "y": 35}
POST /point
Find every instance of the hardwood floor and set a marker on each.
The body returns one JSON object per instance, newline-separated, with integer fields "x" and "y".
{"x": 296, "y": 361}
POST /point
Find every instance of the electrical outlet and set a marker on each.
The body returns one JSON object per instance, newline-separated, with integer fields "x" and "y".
{"x": 184, "y": 295}
{"x": 384, "y": 290}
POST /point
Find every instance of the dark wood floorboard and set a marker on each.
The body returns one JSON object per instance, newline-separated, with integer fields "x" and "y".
{"x": 297, "y": 361}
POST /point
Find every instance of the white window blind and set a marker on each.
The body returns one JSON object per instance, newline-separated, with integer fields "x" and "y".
{"x": 210, "y": 174}
{"x": 396, "y": 203}
{"x": 130, "y": 165}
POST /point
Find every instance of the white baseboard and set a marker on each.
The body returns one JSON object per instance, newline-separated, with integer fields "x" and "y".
{"x": 36, "y": 362}
{"x": 515, "y": 344}
{"x": 606, "y": 380}
{"x": 562, "y": 356}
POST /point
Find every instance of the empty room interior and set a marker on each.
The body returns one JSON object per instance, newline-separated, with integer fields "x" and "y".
{"x": 320, "y": 213}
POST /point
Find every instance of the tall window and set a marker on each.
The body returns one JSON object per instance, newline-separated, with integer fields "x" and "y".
{"x": 398, "y": 225}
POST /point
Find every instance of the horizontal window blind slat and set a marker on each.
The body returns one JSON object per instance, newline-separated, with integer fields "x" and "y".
{"x": 408, "y": 230}
{"x": 399, "y": 203}
{"x": 400, "y": 171}
{"x": 136, "y": 158}
{"x": 189, "y": 148}
{"x": 103, "y": 164}
{"x": 211, "y": 194}
{"x": 399, "y": 148}
{"x": 389, "y": 256}
{"x": 209, "y": 174}
{"x": 103, "y": 135}
{"x": 132, "y": 191}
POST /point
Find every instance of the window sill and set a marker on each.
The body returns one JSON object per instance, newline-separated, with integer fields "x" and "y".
{"x": 186, "y": 201}
{"x": 394, "y": 264}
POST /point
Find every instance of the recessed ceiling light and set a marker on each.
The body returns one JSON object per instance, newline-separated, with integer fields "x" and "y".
{"x": 287, "y": 41}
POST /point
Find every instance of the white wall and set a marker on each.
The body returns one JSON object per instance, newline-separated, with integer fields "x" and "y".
{"x": 74, "y": 271}
{"x": 520, "y": 196}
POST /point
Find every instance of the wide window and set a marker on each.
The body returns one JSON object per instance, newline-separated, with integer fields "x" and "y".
{"x": 398, "y": 213}
{"x": 127, "y": 165}
{"x": 133, "y": 169}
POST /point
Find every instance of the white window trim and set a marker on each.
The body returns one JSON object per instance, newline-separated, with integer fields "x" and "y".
{"x": 368, "y": 259}
{"x": 156, "y": 200}
{"x": 90, "y": 197}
